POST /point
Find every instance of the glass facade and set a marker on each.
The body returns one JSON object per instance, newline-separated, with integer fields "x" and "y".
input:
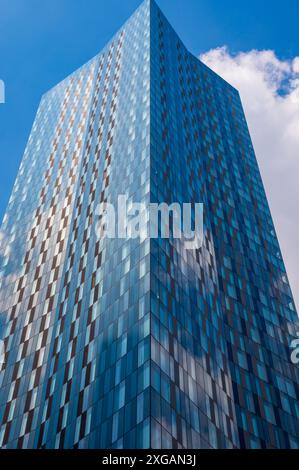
{"x": 138, "y": 343}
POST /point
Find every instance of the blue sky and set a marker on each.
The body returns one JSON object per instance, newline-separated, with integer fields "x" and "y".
{"x": 43, "y": 41}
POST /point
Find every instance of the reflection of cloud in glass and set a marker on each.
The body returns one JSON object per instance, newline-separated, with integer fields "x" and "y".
{"x": 2, "y": 353}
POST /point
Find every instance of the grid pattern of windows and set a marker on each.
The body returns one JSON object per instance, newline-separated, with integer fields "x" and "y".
{"x": 222, "y": 317}
{"x": 137, "y": 343}
{"x": 75, "y": 307}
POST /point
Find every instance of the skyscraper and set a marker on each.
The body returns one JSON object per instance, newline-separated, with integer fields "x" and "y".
{"x": 137, "y": 343}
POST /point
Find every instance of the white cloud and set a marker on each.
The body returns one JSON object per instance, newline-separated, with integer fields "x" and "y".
{"x": 269, "y": 89}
